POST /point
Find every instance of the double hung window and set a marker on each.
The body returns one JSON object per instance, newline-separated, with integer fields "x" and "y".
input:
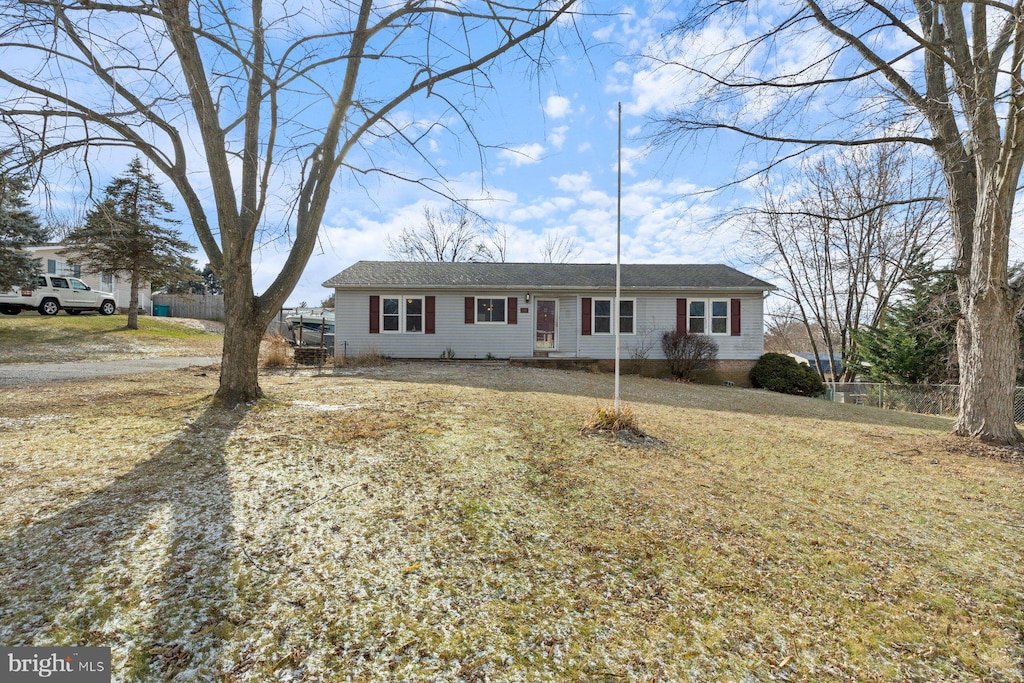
{"x": 708, "y": 316}
{"x": 401, "y": 314}
{"x": 602, "y": 316}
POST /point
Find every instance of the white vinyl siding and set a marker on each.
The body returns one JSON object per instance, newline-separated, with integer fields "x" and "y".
{"x": 652, "y": 313}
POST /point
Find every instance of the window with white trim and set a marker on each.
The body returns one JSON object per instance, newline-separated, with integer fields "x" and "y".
{"x": 390, "y": 314}
{"x": 720, "y": 317}
{"x": 602, "y": 316}
{"x": 708, "y": 316}
{"x": 490, "y": 310}
{"x": 107, "y": 281}
{"x": 55, "y": 267}
{"x": 414, "y": 314}
{"x": 627, "y": 315}
{"x": 401, "y": 314}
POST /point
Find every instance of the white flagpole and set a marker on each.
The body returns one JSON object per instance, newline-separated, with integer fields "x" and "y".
{"x": 616, "y": 313}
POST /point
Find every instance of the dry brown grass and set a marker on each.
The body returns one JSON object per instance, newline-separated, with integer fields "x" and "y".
{"x": 440, "y": 522}
{"x": 275, "y": 352}
{"x": 370, "y": 359}
{"x": 604, "y": 418}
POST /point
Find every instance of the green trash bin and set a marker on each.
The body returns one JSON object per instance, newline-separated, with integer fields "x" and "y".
{"x": 162, "y": 310}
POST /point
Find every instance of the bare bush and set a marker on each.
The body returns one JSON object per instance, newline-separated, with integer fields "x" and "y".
{"x": 369, "y": 359}
{"x": 640, "y": 350}
{"x": 687, "y": 353}
{"x": 276, "y": 352}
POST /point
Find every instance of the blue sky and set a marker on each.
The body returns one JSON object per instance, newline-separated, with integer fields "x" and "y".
{"x": 555, "y": 170}
{"x": 548, "y": 164}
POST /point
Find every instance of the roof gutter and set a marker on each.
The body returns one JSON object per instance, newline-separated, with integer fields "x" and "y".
{"x": 546, "y": 288}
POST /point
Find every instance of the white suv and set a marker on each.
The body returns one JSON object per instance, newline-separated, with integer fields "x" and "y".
{"x": 52, "y": 293}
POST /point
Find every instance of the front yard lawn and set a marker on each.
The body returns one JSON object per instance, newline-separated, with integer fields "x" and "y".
{"x": 33, "y": 338}
{"x": 447, "y": 522}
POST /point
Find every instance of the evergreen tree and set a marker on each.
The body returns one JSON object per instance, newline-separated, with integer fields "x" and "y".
{"x": 211, "y": 283}
{"x": 19, "y": 228}
{"x": 198, "y": 282}
{"x": 917, "y": 341}
{"x": 127, "y": 231}
{"x": 192, "y": 283}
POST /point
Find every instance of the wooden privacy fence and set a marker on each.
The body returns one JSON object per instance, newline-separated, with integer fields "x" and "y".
{"x": 198, "y": 306}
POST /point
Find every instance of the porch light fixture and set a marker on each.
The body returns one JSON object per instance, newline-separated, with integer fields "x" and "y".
{"x": 527, "y": 297}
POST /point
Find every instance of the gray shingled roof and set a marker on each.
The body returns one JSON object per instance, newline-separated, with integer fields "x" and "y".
{"x": 570, "y": 276}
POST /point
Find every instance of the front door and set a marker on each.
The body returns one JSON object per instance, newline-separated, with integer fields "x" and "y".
{"x": 547, "y": 317}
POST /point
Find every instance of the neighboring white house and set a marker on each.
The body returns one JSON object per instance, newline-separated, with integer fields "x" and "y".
{"x": 510, "y": 310}
{"x": 53, "y": 262}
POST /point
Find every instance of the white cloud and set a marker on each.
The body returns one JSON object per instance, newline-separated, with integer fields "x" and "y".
{"x": 557, "y": 136}
{"x": 605, "y": 32}
{"x": 523, "y": 155}
{"x": 573, "y": 182}
{"x": 541, "y": 210}
{"x": 630, "y": 155}
{"x": 557, "y": 107}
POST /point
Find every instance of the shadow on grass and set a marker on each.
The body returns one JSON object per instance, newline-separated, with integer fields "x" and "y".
{"x": 79, "y": 577}
{"x": 637, "y": 390}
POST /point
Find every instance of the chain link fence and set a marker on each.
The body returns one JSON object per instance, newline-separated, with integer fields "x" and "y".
{"x": 928, "y": 399}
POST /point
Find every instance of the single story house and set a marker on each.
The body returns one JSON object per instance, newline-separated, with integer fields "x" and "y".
{"x": 509, "y": 310}
{"x": 54, "y": 262}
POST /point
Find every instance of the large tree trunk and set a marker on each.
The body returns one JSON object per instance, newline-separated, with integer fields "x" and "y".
{"x": 243, "y": 330}
{"x": 988, "y": 368}
{"x": 987, "y": 335}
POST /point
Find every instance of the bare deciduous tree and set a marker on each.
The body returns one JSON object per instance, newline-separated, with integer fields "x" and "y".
{"x": 948, "y": 76}
{"x": 558, "y": 248}
{"x": 450, "y": 235}
{"x": 785, "y": 331}
{"x": 238, "y": 105}
{"x": 845, "y": 241}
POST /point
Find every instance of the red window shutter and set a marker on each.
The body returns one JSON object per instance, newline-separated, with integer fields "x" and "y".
{"x": 374, "y": 314}
{"x": 587, "y": 312}
{"x": 428, "y": 311}
{"x": 470, "y": 310}
{"x": 513, "y": 311}
{"x": 735, "y": 315}
{"x": 681, "y": 315}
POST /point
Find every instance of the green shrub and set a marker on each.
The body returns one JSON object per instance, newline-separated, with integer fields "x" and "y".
{"x": 781, "y": 373}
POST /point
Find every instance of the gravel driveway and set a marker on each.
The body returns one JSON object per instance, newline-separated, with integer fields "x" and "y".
{"x": 38, "y": 373}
